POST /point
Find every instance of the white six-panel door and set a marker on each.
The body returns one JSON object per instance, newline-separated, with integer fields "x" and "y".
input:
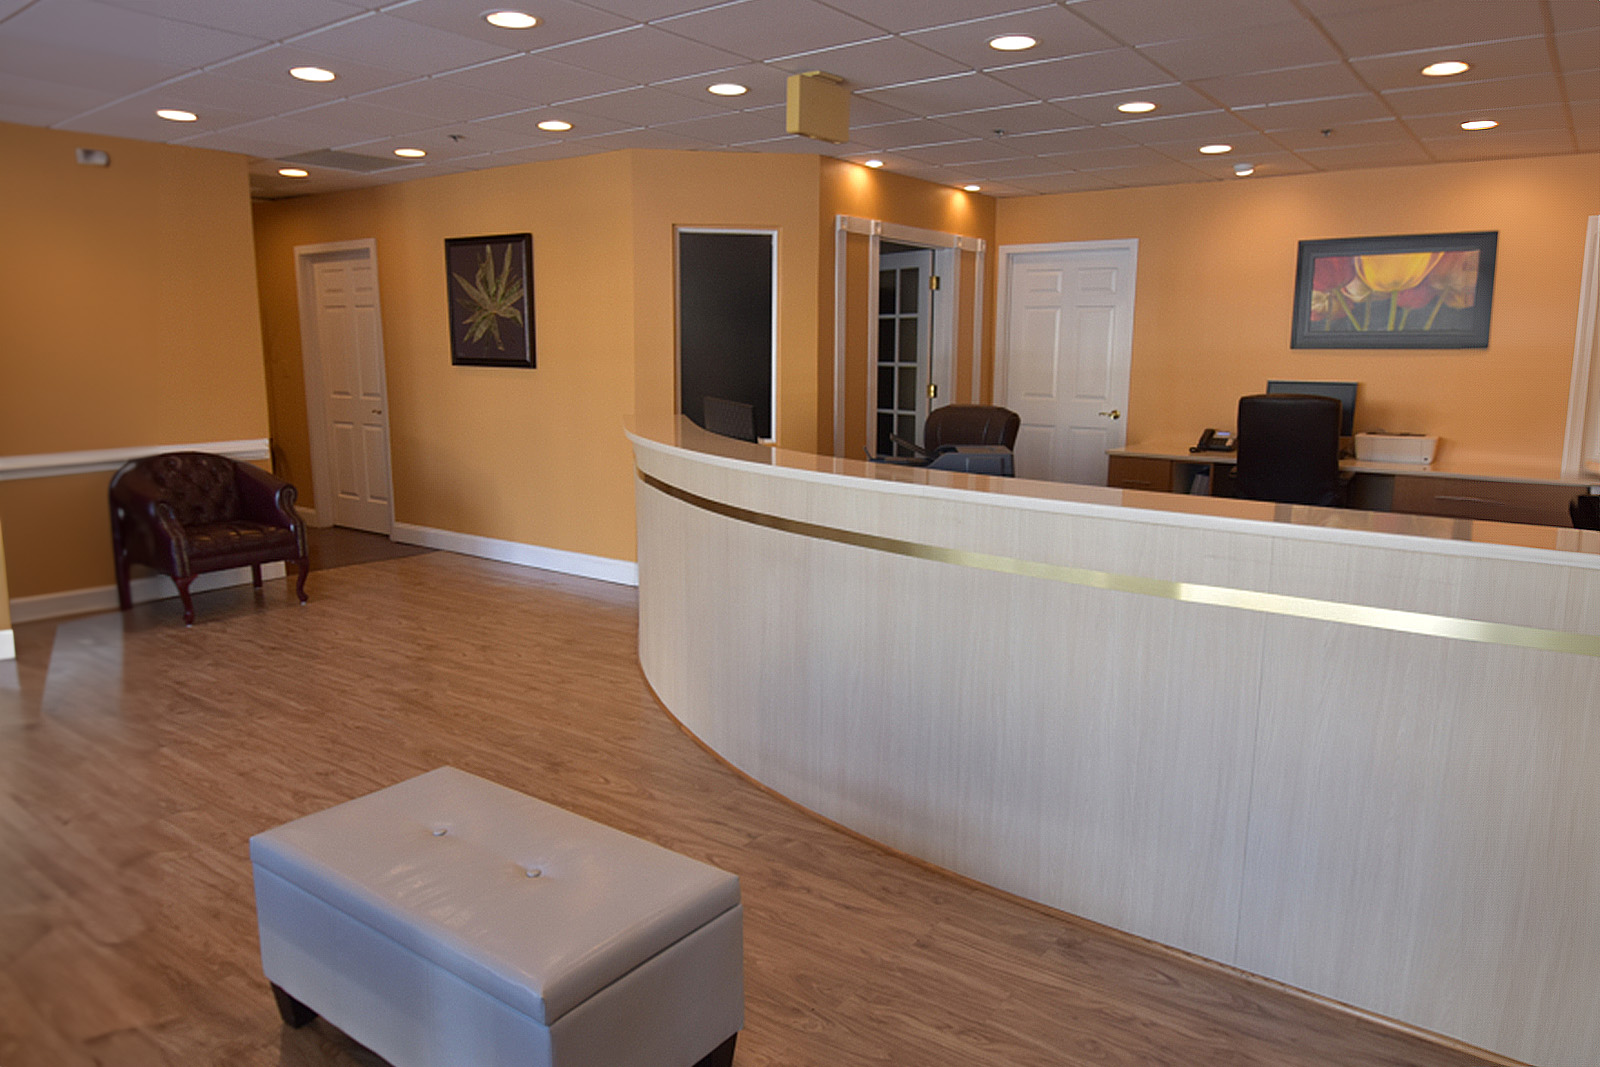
{"x": 1066, "y": 346}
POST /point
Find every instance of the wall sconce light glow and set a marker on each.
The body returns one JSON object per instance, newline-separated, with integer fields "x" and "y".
{"x": 555, "y": 125}
{"x": 873, "y": 163}
{"x": 1215, "y": 149}
{"x": 1136, "y": 107}
{"x": 1480, "y": 124}
{"x": 970, "y": 188}
{"x": 1012, "y": 42}
{"x": 1244, "y": 170}
{"x": 294, "y": 172}
{"x": 312, "y": 74}
{"x": 511, "y": 20}
{"x": 409, "y": 153}
{"x": 172, "y": 114}
{"x": 1446, "y": 68}
{"x": 727, "y": 89}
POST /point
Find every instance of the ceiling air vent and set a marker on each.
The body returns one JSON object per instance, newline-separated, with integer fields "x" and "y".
{"x": 327, "y": 157}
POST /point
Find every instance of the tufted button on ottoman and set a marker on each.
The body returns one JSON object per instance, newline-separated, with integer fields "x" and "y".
{"x": 451, "y": 922}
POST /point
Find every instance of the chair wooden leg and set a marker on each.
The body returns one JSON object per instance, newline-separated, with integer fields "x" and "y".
{"x": 255, "y": 575}
{"x": 291, "y": 1011}
{"x": 188, "y": 603}
{"x": 721, "y": 1056}
{"x": 304, "y": 563}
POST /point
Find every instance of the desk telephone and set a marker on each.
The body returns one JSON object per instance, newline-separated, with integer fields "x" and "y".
{"x": 1214, "y": 441}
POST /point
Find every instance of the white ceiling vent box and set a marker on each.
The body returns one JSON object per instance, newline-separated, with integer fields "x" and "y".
{"x": 1396, "y": 447}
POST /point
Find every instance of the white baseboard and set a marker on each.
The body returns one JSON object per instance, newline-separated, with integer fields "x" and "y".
{"x": 150, "y": 587}
{"x": 616, "y": 571}
{"x": 8, "y": 645}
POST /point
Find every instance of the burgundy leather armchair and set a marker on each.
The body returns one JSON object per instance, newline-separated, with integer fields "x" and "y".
{"x": 186, "y": 513}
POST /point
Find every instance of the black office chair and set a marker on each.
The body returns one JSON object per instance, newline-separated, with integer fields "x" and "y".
{"x": 1585, "y": 511}
{"x": 1289, "y": 449}
{"x": 977, "y": 438}
{"x": 730, "y": 418}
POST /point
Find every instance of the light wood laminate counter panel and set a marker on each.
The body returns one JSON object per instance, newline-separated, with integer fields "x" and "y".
{"x": 1349, "y": 752}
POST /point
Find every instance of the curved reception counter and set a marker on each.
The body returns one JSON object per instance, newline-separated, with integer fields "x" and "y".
{"x": 1356, "y": 753}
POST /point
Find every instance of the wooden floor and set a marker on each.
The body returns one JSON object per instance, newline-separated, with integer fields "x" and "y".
{"x": 137, "y": 757}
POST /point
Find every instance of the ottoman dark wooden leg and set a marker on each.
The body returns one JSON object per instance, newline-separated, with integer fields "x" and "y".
{"x": 721, "y": 1056}
{"x": 294, "y": 1013}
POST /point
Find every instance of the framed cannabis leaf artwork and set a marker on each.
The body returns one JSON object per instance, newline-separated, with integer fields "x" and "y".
{"x": 491, "y": 300}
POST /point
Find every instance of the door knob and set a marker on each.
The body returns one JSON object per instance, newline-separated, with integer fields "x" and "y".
{"x": 1112, "y": 414}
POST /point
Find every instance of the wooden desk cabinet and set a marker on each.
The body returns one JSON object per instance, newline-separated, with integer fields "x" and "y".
{"x": 1140, "y": 472}
{"x": 1475, "y": 498}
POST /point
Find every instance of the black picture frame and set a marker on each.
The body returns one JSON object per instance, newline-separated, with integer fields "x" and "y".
{"x": 1436, "y": 291}
{"x": 490, "y": 289}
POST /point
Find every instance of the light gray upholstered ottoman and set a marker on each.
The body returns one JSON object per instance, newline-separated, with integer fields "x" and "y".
{"x": 451, "y": 922}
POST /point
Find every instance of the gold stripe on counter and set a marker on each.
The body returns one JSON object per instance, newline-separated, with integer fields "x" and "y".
{"x": 1409, "y": 622}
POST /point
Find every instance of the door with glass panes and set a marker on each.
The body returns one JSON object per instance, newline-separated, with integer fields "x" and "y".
{"x": 905, "y": 348}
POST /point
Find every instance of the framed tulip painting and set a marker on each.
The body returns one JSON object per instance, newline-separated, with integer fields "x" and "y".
{"x": 1420, "y": 291}
{"x": 491, "y": 300}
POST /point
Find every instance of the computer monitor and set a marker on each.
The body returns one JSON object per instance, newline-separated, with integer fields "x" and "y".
{"x": 730, "y": 418}
{"x": 1343, "y": 392}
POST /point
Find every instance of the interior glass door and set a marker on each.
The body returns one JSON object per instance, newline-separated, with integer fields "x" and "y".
{"x": 905, "y": 348}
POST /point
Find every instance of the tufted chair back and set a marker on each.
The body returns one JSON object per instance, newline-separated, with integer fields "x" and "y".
{"x": 199, "y": 486}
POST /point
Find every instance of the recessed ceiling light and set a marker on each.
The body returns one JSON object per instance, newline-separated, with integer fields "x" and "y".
{"x": 1244, "y": 170}
{"x": 312, "y": 74}
{"x": 294, "y": 172}
{"x": 1136, "y": 107}
{"x": 970, "y": 188}
{"x": 1446, "y": 68}
{"x": 1012, "y": 42}
{"x": 172, "y": 114}
{"x": 555, "y": 125}
{"x": 873, "y": 163}
{"x": 1215, "y": 149}
{"x": 511, "y": 20}
{"x": 410, "y": 153}
{"x": 1480, "y": 124}
{"x": 727, "y": 89}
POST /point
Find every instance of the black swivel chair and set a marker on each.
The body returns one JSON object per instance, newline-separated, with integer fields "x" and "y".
{"x": 1585, "y": 511}
{"x": 977, "y": 438}
{"x": 1289, "y": 449}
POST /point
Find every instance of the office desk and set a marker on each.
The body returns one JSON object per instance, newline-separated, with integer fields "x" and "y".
{"x": 1347, "y": 750}
{"x": 1497, "y": 492}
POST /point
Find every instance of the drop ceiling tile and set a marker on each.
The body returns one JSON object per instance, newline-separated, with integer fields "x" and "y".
{"x": 398, "y": 44}
{"x": 1089, "y": 139}
{"x": 739, "y": 127}
{"x": 546, "y": 153}
{"x": 1199, "y": 128}
{"x": 525, "y": 124}
{"x": 272, "y": 21}
{"x": 958, "y": 93}
{"x": 1145, "y": 22}
{"x": 644, "y": 54}
{"x": 1583, "y": 86}
{"x": 1490, "y": 62}
{"x": 1171, "y": 99}
{"x": 961, "y": 153}
{"x": 1349, "y": 157}
{"x": 1265, "y": 47}
{"x": 1495, "y": 144}
{"x": 648, "y": 107}
{"x": 245, "y": 144}
{"x": 866, "y": 112}
{"x": 898, "y": 16}
{"x": 1575, "y": 15}
{"x": 1064, "y": 182}
{"x": 1280, "y": 86}
{"x": 1377, "y": 131}
{"x": 1244, "y": 146}
{"x": 1473, "y": 96}
{"x": 272, "y": 66}
{"x": 767, "y": 85}
{"x": 330, "y": 126}
{"x": 1058, "y": 31}
{"x": 524, "y": 81}
{"x": 1094, "y": 74}
{"x": 78, "y": 69}
{"x": 1512, "y": 120}
{"x": 614, "y": 142}
{"x": 645, "y": 10}
{"x": 794, "y": 144}
{"x": 1432, "y": 24}
{"x": 1031, "y": 117}
{"x": 1586, "y": 124}
{"x": 1579, "y": 50}
{"x": 1020, "y": 167}
{"x": 1268, "y": 165}
{"x": 888, "y": 61}
{"x": 30, "y": 102}
{"x": 441, "y": 148}
{"x": 206, "y": 91}
{"x": 1154, "y": 174}
{"x": 1316, "y": 115}
{"x": 98, "y": 28}
{"x": 767, "y": 29}
{"x": 135, "y": 116}
{"x": 560, "y": 21}
{"x": 896, "y": 135}
{"x": 491, "y": 137}
{"x": 441, "y": 98}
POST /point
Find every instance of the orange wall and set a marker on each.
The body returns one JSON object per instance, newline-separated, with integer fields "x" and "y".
{"x": 128, "y": 316}
{"x": 1216, "y": 283}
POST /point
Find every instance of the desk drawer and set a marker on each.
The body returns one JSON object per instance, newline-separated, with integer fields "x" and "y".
{"x": 1470, "y": 498}
{"x": 1139, "y": 472}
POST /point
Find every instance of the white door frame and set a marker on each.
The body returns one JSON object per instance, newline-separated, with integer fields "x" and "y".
{"x": 946, "y": 263}
{"x": 322, "y": 480}
{"x": 1582, "y": 446}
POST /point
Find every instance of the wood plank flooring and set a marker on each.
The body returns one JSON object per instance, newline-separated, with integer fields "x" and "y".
{"x": 137, "y": 757}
